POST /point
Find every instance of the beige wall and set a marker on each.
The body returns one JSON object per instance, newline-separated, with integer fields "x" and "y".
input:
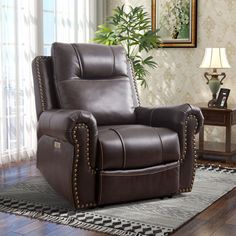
{"x": 178, "y": 78}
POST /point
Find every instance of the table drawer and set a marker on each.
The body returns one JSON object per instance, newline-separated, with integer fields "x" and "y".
{"x": 215, "y": 118}
{"x": 233, "y": 119}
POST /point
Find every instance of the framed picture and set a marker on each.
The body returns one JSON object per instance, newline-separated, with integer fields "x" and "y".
{"x": 176, "y": 21}
{"x": 222, "y": 98}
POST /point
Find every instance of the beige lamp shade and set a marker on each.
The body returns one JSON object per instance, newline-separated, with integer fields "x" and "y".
{"x": 215, "y": 58}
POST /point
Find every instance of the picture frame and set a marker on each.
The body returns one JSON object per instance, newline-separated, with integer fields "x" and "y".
{"x": 175, "y": 31}
{"x": 222, "y": 98}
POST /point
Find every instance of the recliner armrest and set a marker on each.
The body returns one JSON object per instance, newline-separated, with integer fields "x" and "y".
{"x": 60, "y": 123}
{"x": 186, "y": 120}
{"x": 172, "y": 117}
{"x": 77, "y": 131}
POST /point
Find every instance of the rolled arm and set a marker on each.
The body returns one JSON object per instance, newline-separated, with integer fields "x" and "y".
{"x": 180, "y": 118}
{"x": 186, "y": 120}
{"x": 60, "y": 123}
{"x": 172, "y": 117}
{"x": 69, "y": 166}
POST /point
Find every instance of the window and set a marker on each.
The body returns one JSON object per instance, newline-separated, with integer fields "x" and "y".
{"x": 73, "y": 22}
{"x": 28, "y": 28}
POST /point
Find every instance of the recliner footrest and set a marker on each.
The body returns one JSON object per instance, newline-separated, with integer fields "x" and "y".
{"x": 138, "y": 184}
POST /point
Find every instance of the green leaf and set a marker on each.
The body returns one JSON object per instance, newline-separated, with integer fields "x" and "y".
{"x": 131, "y": 29}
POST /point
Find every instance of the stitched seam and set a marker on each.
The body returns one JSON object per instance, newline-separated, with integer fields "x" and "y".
{"x": 100, "y": 80}
{"x": 161, "y": 144}
{"x": 77, "y": 53}
{"x": 151, "y": 116}
{"x": 140, "y": 174}
{"x": 114, "y": 60}
{"x": 101, "y": 146}
{"x": 100, "y": 194}
{"x": 123, "y": 146}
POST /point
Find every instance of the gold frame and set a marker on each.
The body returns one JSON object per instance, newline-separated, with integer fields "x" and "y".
{"x": 188, "y": 44}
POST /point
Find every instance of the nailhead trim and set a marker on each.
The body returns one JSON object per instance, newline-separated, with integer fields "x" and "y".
{"x": 76, "y": 162}
{"x": 189, "y": 189}
{"x": 43, "y": 99}
{"x": 84, "y": 126}
{"x": 131, "y": 67}
{"x": 185, "y": 134}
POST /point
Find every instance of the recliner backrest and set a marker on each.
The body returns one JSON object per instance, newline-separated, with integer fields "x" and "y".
{"x": 95, "y": 78}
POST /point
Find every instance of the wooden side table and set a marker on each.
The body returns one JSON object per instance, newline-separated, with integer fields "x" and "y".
{"x": 218, "y": 117}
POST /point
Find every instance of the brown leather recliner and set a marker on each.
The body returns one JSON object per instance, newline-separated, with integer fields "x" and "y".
{"x": 96, "y": 144}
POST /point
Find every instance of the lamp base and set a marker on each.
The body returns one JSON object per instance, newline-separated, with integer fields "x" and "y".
{"x": 214, "y": 85}
{"x": 212, "y": 103}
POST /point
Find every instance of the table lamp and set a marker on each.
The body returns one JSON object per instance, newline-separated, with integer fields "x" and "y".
{"x": 214, "y": 58}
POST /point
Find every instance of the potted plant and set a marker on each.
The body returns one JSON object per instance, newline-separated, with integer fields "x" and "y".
{"x": 131, "y": 29}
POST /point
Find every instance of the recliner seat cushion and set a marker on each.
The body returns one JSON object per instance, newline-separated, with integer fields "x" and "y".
{"x": 135, "y": 146}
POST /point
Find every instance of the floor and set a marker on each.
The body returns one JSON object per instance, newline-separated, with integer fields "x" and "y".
{"x": 218, "y": 220}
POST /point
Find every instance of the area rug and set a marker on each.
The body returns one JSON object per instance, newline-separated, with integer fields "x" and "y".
{"x": 35, "y": 198}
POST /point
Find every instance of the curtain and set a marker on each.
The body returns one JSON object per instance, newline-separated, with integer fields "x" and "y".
{"x": 17, "y": 48}
{"x": 27, "y": 29}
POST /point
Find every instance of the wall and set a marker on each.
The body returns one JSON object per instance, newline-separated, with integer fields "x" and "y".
{"x": 178, "y": 78}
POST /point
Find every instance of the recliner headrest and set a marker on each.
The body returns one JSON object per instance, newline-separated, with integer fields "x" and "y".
{"x": 88, "y": 61}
